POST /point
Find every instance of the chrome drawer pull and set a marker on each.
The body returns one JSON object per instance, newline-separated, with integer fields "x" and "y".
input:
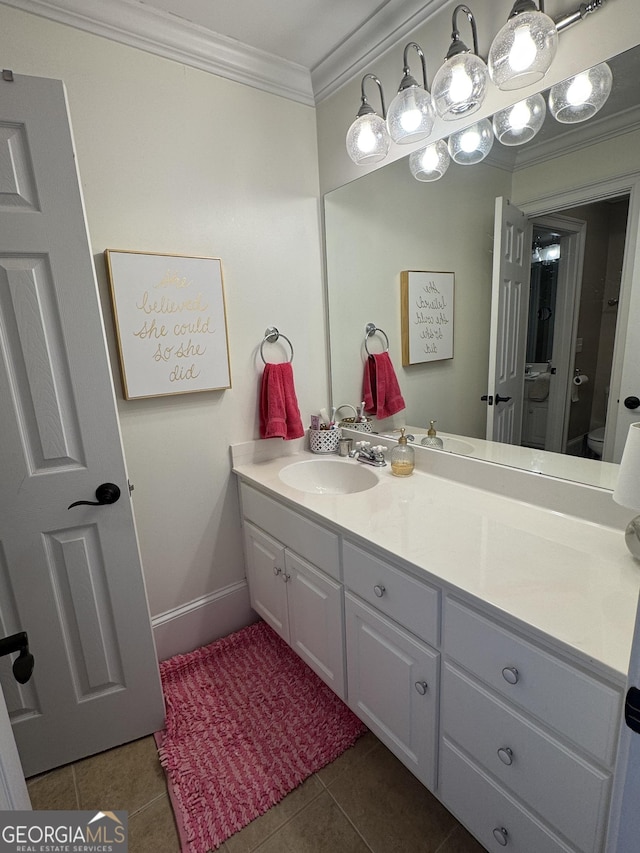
{"x": 379, "y": 590}
{"x": 422, "y": 687}
{"x": 277, "y": 571}
{"x": 505, "y": 755}
{"x": 501, "y": 836}
{"x": 511, "y": 674}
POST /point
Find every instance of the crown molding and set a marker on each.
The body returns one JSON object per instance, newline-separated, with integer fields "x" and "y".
{"x": 146, "y": 28}
{"x": 171, "y": 37}
{"x": 578, "y": 136}
{"x": 381, "y": 32}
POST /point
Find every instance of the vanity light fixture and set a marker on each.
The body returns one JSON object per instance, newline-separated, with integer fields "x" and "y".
{"x": 627, "y": 490}
{"x": 472, "y": 144}
{"x": 430, "y": 163}
{"x": 523, "y": 50}
{"x": 460, "y": 84}
{"x": 367, "y": 139}
{"x": 519, "y": 123}
{"x": 411, "y": 113}
{"x": 579, "y": 98}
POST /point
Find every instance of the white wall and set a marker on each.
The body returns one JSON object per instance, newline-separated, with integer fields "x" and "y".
{"x": 176, "y": 160}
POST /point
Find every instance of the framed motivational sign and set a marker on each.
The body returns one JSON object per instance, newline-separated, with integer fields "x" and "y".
{"x": 426, "y": 302}
{"x": 170, "y": 321}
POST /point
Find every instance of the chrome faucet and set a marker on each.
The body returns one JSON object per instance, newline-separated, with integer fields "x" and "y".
{"x": 369, "y": 455}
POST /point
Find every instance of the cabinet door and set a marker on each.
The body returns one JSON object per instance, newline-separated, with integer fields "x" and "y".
{"x": 315, "y": 620}
{"x": 265, "y": 576}
{"x": 392, "y": 681}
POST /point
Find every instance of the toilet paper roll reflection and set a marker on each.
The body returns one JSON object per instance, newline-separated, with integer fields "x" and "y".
{"x": 581, "y": 379}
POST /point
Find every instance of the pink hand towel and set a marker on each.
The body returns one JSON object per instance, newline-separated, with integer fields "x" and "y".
{"x": 380, "y": 388}
{"x": 279, "y": 412}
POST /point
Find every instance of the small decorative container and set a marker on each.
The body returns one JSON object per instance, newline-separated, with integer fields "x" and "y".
{"x": 402, "y": 457}
{"x": 324, "y": 440}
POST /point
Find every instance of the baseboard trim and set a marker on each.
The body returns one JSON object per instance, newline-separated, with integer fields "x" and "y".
{"x": 202, "y": 620}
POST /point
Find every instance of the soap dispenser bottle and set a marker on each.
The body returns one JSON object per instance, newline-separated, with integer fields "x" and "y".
{"x": 402, "y": 457}
{"x": 431, "y": 439}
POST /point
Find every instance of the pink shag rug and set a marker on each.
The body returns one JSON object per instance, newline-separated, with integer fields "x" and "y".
{"x": 247, "y": 721}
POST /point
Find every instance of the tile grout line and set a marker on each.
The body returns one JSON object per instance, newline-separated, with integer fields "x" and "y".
{"x": 75, "y": 786}
{"x": 355, "y": 828}
{"x": 286, "y": 822}
{"x": 445, "y": 840}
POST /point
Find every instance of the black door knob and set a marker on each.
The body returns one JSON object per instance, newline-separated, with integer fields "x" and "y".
{"x": 107, "y": 493}
{"x": 488, "y": 399}
{"x": 500, "y": 399}
{"x": 632, "y": 402}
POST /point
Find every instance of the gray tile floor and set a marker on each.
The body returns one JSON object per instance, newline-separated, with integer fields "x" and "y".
{"x": 366, "y": 801}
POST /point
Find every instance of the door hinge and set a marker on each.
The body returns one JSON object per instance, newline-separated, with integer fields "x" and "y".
{"x": 131, "y": 486}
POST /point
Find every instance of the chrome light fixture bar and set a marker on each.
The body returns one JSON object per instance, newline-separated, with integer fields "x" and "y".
{"x": 520, "y": 55}
{"x": 411, "y": 114}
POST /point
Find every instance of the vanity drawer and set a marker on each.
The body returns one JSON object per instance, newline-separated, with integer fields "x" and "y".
{"x": 496, "y": 820}
{"x": 576, "y": 705}
{"x": 410, "y": 603}
{"x": 300, "y": 534}
{"x": 566, "y": 791}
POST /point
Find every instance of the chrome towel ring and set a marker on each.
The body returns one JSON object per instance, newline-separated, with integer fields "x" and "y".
{"x": 371, "y": 329}
{"x": 271, "y": 335}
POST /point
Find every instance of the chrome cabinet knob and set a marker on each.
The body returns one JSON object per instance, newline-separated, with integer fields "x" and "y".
{"x": 501, "y": 836}
{"x": 422, "y": 687}
{"x": 379, "y": 590}
{"x": 286, "y": 578}
{"x": 277, "y": 571}
{"x": 511, "y": 674}
{"x": 505, "y": 754}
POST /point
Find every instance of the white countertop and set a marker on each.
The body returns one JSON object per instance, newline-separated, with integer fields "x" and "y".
{"x": 571, "y": 579}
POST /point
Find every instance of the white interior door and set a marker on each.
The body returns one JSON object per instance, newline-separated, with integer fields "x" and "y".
{"x": 71, "y": 578}
{"x": 509, "y": 310}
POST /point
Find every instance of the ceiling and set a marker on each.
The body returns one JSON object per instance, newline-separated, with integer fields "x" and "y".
{"x": 301, "y": 49}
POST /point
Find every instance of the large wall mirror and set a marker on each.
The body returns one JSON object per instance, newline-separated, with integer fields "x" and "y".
{"x": 568, "y": 182}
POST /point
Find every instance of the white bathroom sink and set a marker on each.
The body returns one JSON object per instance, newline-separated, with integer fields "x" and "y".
{"x": 329, "y": 477}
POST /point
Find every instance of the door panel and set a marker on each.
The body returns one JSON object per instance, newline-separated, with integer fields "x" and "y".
{"x": 509, "y": 307}
{"x": 71, "y": 578}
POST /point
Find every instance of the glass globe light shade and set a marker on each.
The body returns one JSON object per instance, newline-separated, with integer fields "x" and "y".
{"x": 368, "y": 140}
{"x": 459, "y": 86}
{"x": 523, "y": 50}
{"x": 518, "y": 124}
{"x": 580, "y": 97}
{"x": 411, "y": 115}
{"x": 430, "y": 163}
{"x": 472, "y": 144}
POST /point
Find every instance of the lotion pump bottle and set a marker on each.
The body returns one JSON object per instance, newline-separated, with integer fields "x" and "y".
{"x": 402, "y": 457}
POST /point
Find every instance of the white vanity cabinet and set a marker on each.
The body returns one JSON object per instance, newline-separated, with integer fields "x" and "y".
{"x": 527, "y": 739}
{"x": 392, "y": 674}
{"x": 512, "y": 729}
{"x": 299, "y": 601}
